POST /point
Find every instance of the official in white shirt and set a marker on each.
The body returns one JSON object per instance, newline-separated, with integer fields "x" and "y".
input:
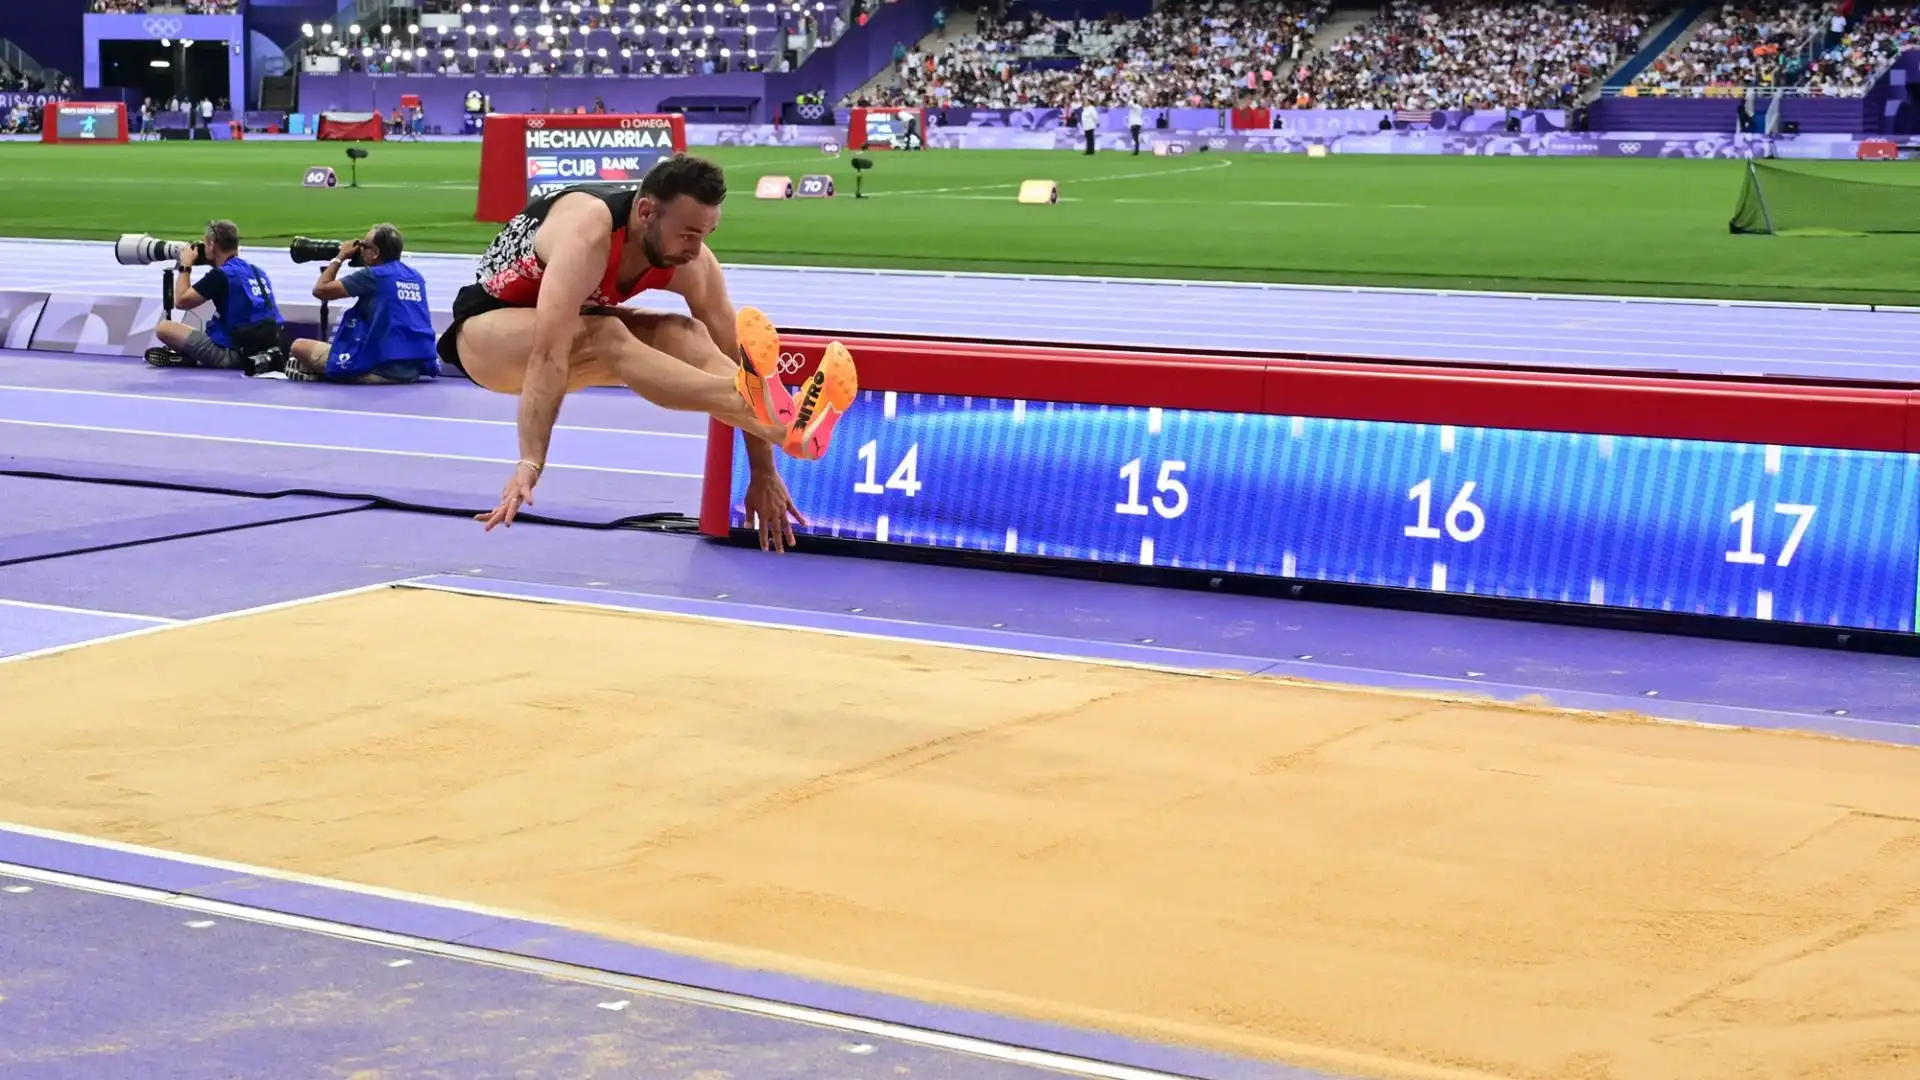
{"x": 1136, "y": 118}
{"x": 1089, "y": 123}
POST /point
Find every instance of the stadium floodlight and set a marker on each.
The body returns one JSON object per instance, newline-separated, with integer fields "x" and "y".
{"x": 466, "y": 9}
{"x": 725, "y": 53}
{"x": 367, "y": 51}
{"x": 701, "y": 8}
{"x": 186, "y": 43}
{"x": 626, "y": 53}
{"x": 752, "y": 30}
{"x": 556, "y": 54}
{"x": 580, "y": 54}
{"x": 545, "y": 31}
{"x": 519, "y": 30}
{"x": 354, "y": 30}
{"x": 160, "y": 63}
{"x": 633, "y": 9}
{"x": 386, "y": 28}
{"x": 650, "y": 51}
{"x": 492, "y": 30}
{"x": 327, "y": 29}
{"x": 306, "y": 29}
{"x": 485, "y": 10}
{"x": 413, "y": 28}
{"x": 708, "y": 30}
{"x": 603, "y": 54}
{"x": 751, "y": 54}
{"x": 770, "y": 9}
{"x": 166, "y": 43}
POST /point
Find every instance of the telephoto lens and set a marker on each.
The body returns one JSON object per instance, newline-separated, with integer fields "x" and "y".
{"x": 144, "y": 250}
{"x": 308, "y": 250}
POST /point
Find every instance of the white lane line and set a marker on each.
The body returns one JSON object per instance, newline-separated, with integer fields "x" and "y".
{"x": 637, "y": 986}
{"x": 227, "y": 403}
{"x": 63, "y": 610}
{"x": 194, "y": 437}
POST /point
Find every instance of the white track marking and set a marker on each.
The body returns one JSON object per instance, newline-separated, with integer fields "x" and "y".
{"x": 85, "y": 611}
{"x": 196, "y": 437}
{"x": 203, "y": 620}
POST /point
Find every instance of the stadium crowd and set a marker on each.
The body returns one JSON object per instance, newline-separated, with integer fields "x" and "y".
{"x": 1858, "y": 54}
{"x": 1455, "y": 55}
{"x": 170, "y": 7}
{"x": 1739, "y": 46}
{"x": 1197, "y": 53}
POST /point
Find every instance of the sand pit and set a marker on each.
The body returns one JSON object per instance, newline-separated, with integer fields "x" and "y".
{"x": 1360, "y": 882}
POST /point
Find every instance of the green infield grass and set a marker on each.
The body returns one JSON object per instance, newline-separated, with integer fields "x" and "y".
{"x": 1618, "y": 226}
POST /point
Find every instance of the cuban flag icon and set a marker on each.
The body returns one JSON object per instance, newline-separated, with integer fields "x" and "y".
{"x": 542, "y": 166}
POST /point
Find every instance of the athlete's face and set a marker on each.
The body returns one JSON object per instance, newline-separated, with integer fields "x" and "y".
{"x": 676, "y": 229}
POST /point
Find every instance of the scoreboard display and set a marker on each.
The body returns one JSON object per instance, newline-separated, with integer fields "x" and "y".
{"x": 559, "y": 157}
{"x": 886, "y": 129}
{"x": 84, "y": 122}
{"x": 524, "y": 157}
{"x": 1801, "y": 535}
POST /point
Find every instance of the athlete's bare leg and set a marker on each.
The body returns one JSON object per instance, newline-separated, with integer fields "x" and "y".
{"x": 680, "y": 337}
{"x": 495, "y": 348}
{"x": 832, "y": 385}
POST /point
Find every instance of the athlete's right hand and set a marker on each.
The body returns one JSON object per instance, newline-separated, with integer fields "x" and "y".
{"x": 518, "y": 492}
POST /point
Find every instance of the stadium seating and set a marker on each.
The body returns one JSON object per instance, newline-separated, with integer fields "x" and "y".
{"x": 1187, "y": 53}
{"x": 140, "y": 7}
{"x": 1443, "y": 54}
{"x": 1472, "y": 55}
{"x": 1848, "y": 66}
{"x": 1739, "y": 46}
{"x": 538, "y": 39}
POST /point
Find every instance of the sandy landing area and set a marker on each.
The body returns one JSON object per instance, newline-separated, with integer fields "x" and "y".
{"x": 1360, "y": 882}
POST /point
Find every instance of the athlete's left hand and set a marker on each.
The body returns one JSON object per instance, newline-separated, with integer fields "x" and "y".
{"x": 770, "y": 505}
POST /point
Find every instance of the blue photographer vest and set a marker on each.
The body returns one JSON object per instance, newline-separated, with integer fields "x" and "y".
{"x": 249, "y": 301}
{"x": 391, "y": 324}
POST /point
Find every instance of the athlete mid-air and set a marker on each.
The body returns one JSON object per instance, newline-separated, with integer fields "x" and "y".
{"x": 544, "y": 319}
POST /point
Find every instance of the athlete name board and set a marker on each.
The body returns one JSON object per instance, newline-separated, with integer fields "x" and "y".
{"x": 84, "y": 122}
{"x": 559, "y": 156}
{"x": 524, "y": 157}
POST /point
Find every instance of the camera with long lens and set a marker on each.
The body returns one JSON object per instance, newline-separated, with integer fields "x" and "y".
{"x": 143, "y": 250}
{"x": 307, "y": 250}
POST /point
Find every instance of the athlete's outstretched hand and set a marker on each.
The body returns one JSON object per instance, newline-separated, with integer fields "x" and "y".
{"x": 518, "y": 492}
{"x": 771, "y": 505}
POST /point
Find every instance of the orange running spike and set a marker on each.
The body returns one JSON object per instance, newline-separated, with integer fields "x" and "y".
{"x": 825, "y": 397}
{"x": 759, "y": 380}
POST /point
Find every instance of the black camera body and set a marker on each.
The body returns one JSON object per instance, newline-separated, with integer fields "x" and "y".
{"x": 307, "y": 250}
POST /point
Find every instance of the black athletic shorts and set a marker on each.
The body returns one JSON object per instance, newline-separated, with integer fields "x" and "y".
{"x": 471, "y": 300}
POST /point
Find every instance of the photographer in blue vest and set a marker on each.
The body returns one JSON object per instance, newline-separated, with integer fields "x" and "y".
{"x": 388, "y": 336}
{"x": 246, "y": 318}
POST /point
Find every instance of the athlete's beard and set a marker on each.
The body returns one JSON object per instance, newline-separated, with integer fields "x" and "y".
{"x": 650, "y": 243}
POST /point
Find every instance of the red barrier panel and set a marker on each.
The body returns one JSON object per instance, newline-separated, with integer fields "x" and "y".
{"x": 1599, "y": 404}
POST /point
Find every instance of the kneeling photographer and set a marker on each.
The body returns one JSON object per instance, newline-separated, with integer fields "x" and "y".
{"x": 246, "y": 320}
{"x": 387, "y": 337}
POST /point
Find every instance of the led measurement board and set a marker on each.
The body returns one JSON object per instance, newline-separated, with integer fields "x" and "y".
{"x": 1802, "y": 535}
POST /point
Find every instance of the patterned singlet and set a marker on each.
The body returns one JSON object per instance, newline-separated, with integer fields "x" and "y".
{"x": 510, "y": 273}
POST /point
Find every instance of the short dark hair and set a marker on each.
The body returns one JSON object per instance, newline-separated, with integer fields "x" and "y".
{"x": 684, "y": 174}
{"x": 387, "y": 243}
{"x": 225, "y": 236}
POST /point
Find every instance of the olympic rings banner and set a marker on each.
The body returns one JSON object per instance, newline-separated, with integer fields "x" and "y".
{"x": 173, "y": 29}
